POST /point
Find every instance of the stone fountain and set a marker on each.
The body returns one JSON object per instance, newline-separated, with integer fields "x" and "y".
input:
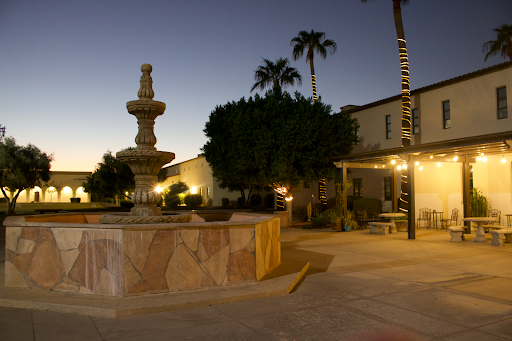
{"x": 145, "y": 160}
{"x": 142, "y": 252}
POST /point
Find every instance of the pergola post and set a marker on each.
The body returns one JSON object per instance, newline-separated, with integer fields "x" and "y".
{"x": 466, "y": 190}
{"x": 411, "y": 228}
{"x": 344, "y": 178}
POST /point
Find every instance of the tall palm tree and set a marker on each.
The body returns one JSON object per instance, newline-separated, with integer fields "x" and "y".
{"x": 406, "y": 94}
{"x": 313, "y": 42}
{"x": 502, "y": 44}
{"x": 279, "y": 75}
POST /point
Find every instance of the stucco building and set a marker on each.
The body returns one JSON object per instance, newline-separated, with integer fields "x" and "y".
{"x": 461, "y": 135}
{"x": 61, "y": 188}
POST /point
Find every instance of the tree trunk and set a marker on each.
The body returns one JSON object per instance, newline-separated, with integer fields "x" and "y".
{"x": 313, "y": 77}
{"x": 406, "y": 98}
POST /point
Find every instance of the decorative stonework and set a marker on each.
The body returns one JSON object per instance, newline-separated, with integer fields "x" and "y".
{"x": 153, "y": 219}
{"x": 144, "y": 161}
{"x": 125, "y": 261}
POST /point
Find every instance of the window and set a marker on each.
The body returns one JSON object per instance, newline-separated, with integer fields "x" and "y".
{"x": 415, "y": 122}
{"x": 388, "y": 188}
{"x": 388, "y": 126}
{"x": 358, "y": 187}
{"x": 502, "y": 102}
{"x": 208, "y": 192}
{"x": 446, "y": 115}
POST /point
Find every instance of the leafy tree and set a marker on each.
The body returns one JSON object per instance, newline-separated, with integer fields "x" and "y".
{"x": 275, "y": 141}
{"x": 2, "y": 132}
{"x": 278, "y": 75}
{"x": 312, "y": 42}
{"x": 172, "y": 197}
{"x": 193, "y": 200}
{"x": 502, "y": 44}
{"x": 111, "y": 178}
{"x": 21, "y": 167}
{"x": 406, "y": 93}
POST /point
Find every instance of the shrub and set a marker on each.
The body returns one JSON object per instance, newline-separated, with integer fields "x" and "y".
{"x": 373, "y": 207}
{"x": 255, "y": 200}
{"x": 318, "y": 222}
{"x": 299, "y": 213}
{"x": 173, "y": 198}
{"x": 193, "y": 200}
{"x": 225, "y": 202}
{"x": 269, "y": 200}
{"x": 479, "y": 203}
{"x": 126, "y": 204}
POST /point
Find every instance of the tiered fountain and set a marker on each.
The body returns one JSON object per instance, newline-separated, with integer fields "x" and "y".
{"x": 144, "y": 251}
{"x": 145, "y": 161}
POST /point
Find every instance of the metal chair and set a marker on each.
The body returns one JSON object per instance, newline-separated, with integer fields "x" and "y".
{"x": 452, "y": 220}
{"x": 425, "y": 215}
{"x": 496, "y": 214}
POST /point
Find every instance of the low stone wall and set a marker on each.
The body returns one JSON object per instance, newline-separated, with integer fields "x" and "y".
{"x": 121, "y": 260}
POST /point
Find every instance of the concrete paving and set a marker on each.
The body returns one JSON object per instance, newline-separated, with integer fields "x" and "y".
{"x": 358, "y": 287}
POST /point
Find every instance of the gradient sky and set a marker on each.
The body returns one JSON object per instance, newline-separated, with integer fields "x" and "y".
{"x": 67, "y": 68}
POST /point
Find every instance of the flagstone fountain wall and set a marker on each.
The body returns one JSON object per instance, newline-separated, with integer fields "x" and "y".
{"x": 74, "y": 253}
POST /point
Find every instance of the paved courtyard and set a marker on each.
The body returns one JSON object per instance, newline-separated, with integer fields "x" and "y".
{"x": 358, "y": 287}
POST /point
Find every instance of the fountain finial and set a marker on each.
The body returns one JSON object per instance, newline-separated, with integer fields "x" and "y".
{"x": 146, "y": 83}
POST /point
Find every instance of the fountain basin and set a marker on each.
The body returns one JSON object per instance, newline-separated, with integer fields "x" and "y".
{"x": 75, "y": 253}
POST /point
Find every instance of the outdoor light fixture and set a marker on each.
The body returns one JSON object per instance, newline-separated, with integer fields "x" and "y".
{"x": 439, "y": 164}
{"x": 421, "y": 167}
{"x": 503, "y": 160}
{"x": 399, "y": 167}
{"x": 455, "y": 158}
{"x": 431, "y": 156}
{"x": 417, "y": 163}
{"x": 404, "y": 166}
{"x": 288, "y": 198}
{"x": 393, "y": 162}
{"x": 159, "y": 189}
{"x": 479, "y": 158}
{"x": 193, "y": 190}
{"x": 484, "y": 159}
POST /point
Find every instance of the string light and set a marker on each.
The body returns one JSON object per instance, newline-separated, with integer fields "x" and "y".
{"x": 503, "y": 160}
{"x": 417, "y": 163}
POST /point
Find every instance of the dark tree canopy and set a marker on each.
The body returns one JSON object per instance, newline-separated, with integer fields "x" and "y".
{"x": 22, "y": 167}
{"x": 111, "y": 178}
{"x": 276, "y": 140}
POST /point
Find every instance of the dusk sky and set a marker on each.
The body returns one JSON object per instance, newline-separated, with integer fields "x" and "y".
{"x": 67, "y": 68}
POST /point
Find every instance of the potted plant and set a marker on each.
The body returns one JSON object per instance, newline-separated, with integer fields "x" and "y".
{"x": 349, "y": 221}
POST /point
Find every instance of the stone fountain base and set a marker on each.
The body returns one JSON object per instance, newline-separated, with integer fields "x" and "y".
{"x": 126, "y": 218}
{"x": 74, "y": 253}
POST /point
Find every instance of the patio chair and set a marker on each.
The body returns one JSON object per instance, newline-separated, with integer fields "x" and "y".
{"x": 425, "y": 214}
{"x": 496, "y": 214}
{"x": 452, "y": 220}
{"x": 362, "y": 218}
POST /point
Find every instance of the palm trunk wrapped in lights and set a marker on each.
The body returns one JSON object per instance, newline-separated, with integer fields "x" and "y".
{"x": 406, "y": 99}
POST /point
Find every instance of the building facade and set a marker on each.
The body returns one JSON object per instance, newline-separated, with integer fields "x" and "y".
{"x": 461, "y": 135}
{"x": 61, "y": 188}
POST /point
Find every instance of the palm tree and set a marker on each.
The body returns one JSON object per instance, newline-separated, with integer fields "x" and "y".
{"x": 279, "y": 75}
{"x": 502, "y": 44}
{"x": 406, "y": 94}
{"x": 313, "y": 42}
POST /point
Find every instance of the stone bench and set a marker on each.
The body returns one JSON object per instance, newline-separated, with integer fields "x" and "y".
{"x": 488, "y": 228}
{"x": 401, "y": 224}
{"x": 456, "y": 233}
{"x": 377, "y": 227}
{"x": 500, "y": 236}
